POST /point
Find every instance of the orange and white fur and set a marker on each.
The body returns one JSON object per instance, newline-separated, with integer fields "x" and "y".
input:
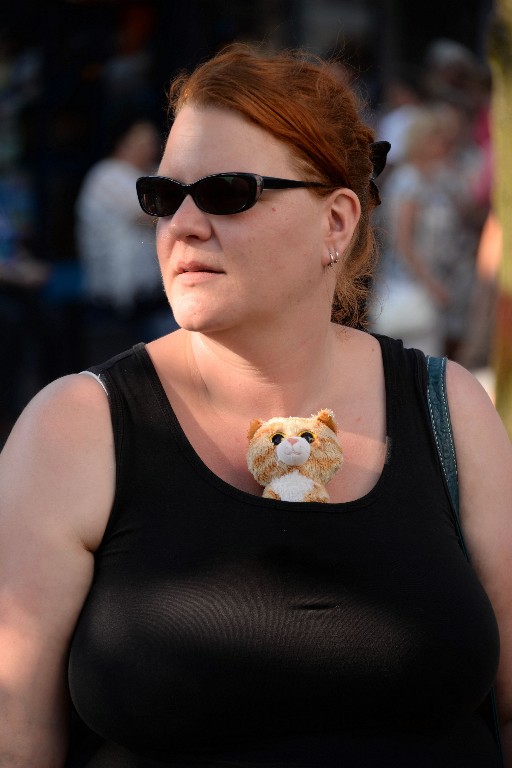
{"x": 294, "y": 457}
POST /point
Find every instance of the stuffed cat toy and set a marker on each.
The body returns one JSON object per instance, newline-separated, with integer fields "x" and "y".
{"x": 294, "y": 458}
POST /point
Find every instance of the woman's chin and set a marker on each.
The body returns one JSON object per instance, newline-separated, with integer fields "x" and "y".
{"x": 197, "y": 319}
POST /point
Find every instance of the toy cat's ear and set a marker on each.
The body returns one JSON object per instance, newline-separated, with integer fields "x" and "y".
{"x": 253, "y": 428}
{"x": 327, "y": 417}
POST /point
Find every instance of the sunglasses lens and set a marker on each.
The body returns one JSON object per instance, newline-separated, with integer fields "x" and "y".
{"x": 159, "y": 197}
{"x": 224, "y": 194}
{"x": 218, "y": 194}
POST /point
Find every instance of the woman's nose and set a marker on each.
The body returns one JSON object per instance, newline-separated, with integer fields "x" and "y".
{"x": 189, "y": 221}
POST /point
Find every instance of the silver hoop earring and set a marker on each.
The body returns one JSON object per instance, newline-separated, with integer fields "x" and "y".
{"x": 333, "y": 257}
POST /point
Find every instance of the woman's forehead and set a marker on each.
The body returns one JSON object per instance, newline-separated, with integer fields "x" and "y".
{"x": 212, "y": 140}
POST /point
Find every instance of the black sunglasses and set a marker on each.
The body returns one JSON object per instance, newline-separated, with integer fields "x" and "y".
{"x": 220, "y": 193}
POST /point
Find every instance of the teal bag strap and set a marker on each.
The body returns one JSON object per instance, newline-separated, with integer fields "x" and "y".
{"x": 440, "y": 415}
{"x": 442, "y": 427}
{"x": 437, "y": 401}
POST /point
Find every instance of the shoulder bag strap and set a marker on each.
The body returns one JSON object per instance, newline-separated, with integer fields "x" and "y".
{"x": 443, "y": 435}
{"x": 442, "y": 428}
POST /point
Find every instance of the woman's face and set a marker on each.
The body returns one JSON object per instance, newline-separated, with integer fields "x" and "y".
{"x": 245, "y": 269}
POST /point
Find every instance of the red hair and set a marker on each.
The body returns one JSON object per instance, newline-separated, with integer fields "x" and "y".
{"x": 301, "y": 102}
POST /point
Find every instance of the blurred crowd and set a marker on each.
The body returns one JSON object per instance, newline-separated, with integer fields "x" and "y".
{"x": 60, "y": 313}
{"x": 436, "y": 194}
{"x": 22, "y": 276}
{"x": 432, "y": 289}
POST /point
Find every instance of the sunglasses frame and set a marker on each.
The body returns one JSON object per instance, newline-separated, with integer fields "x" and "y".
{"x": 257, "y": 184}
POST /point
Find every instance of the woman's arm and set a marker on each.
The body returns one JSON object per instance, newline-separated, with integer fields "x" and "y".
{"x": 484, "y": 456}
{"x": 56, "y": 489}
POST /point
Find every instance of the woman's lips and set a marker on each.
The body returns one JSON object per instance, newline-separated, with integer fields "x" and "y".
{"x": 194, "y": 272}
{"x": 196, "y": 266}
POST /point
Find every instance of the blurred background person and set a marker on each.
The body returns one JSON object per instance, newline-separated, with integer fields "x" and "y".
{"x": 453, "y": 74}
{"x": 402, "y": 101}
{"x": 432, "y": 230}
{"x": 123, "y": 294}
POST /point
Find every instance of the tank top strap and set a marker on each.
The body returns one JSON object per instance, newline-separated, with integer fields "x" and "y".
{"x": 409, "y": 428}
{"x": 133, "y": 388}
{"x": 140, "y": 415}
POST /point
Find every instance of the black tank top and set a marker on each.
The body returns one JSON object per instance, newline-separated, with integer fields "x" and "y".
{"x": 223, "y": 629}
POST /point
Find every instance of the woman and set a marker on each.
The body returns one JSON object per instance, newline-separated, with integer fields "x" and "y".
{"x": 208, "y": 626}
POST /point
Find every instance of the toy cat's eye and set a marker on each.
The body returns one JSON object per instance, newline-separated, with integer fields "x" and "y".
{"x": 276, "y": 439}
{"x": 309, "y": 436}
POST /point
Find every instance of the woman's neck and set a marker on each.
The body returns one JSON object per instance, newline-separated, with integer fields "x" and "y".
{"x": 264, "y": 377}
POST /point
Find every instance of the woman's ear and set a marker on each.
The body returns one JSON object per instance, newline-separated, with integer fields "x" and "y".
{"x": 343, "y": 211}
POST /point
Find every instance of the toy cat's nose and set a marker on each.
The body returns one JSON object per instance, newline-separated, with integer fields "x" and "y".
{"x": 293, "y": 440}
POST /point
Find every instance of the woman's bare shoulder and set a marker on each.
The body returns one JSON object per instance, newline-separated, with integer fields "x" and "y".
{"x": 471, "y": 406}
{"x": 61, "y": 449}
{"x": 483, "y": 448}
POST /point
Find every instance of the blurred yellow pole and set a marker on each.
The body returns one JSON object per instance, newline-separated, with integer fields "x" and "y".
{"x": 500, "y": 55}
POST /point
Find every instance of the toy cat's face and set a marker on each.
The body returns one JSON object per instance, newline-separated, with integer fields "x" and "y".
{"x": 280, "y": 445}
